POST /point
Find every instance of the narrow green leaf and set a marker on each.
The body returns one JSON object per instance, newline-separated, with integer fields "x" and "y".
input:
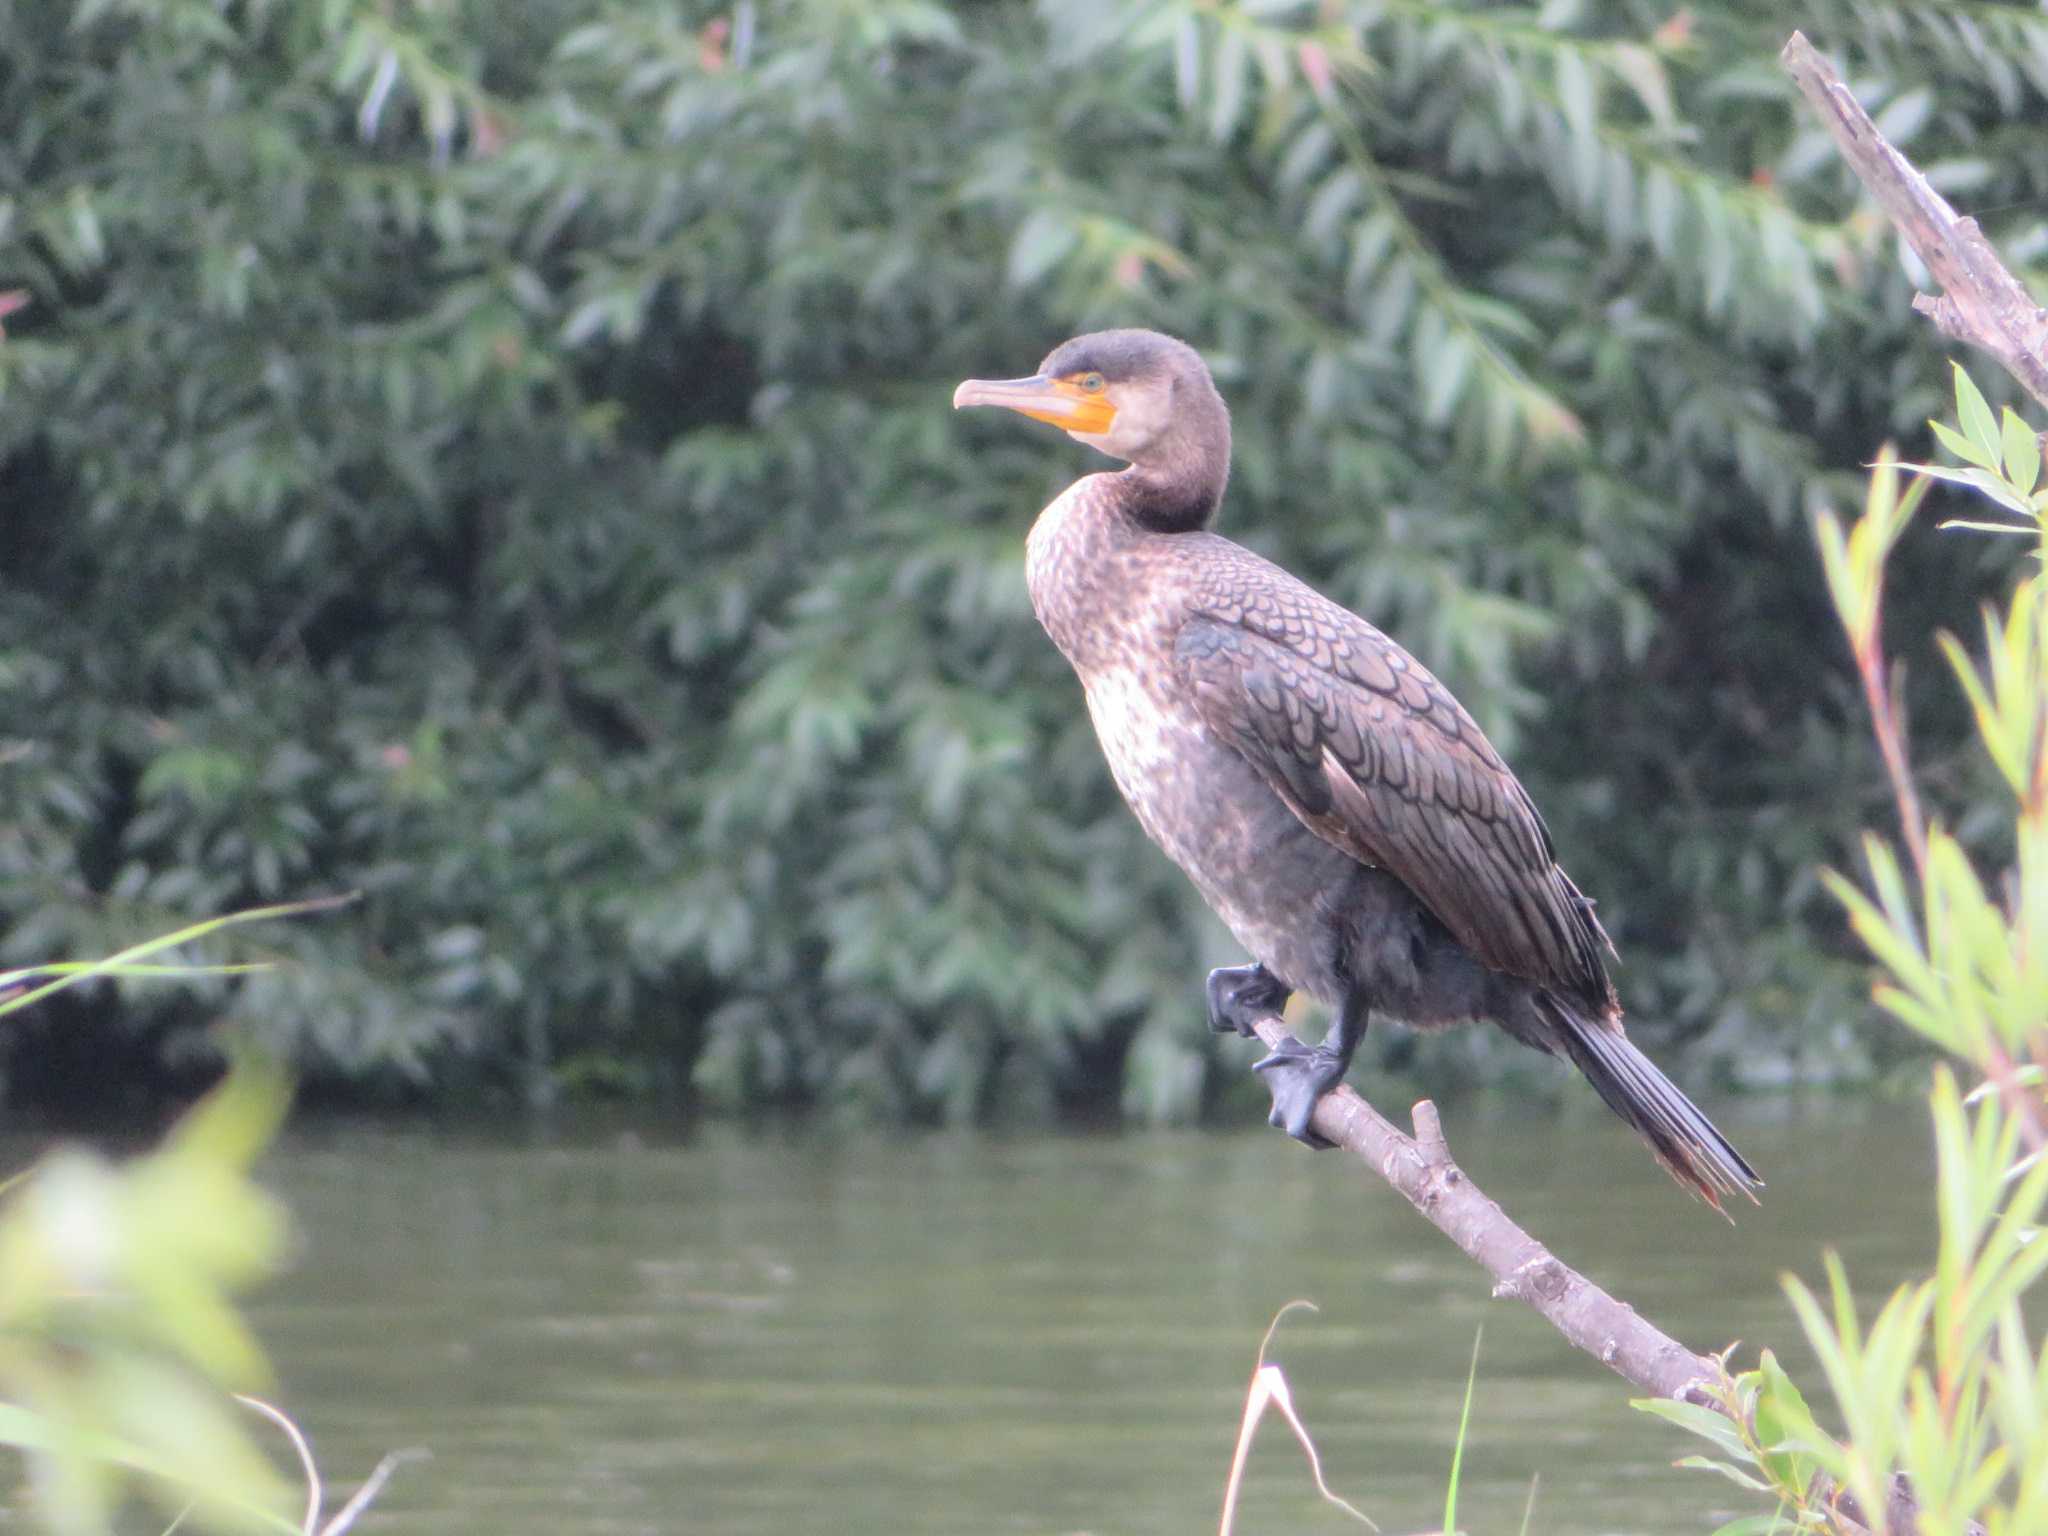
{"x": 129, "y": 972}
{"x": 1232, "y": 72}
{"x": 1904, "y": 114}
{"x": 32, "y": 1432}
{"x": 1450, "y": 1525}
{"x": 113, "y": 963}
{"x": 236, "y": 1120}
{"x": 1704, "y": 1422}
{"x": 1662, "y": 211}
{"x": 1187, "y": 61}
{"x": 1958, "y": 445}
{"x": 1992, "y": 484}
{"x": 1734, "y": 1474}
{"x": 1444, "y": 372}
{"x": 1977, "y": 420}
{"x": 1644, "y": 72}
{"x": 2022, "y": 453}
{"x": 1754, "y": 1525}
{"x": 1977, "y": 527}
{"x": 1784, "y": 1421}
{"x": 1333, "y": 202}
{"x": 1041, "y": 243}
{"x": 1944, "y": 472}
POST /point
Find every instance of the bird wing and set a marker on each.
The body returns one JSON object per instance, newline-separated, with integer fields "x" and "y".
{"x": 1377, "y": 758}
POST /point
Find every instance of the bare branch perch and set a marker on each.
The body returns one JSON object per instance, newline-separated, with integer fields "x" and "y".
{"x": 1981, "y": 302}
{"x": 1420, "y": 1167}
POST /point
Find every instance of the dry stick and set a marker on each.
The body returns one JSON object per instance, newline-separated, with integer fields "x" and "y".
{"x": 1420, "y": 1167}
{"x": 1981, "y": 303}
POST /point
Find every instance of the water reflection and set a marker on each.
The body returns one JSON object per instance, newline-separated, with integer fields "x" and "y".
{"x": 955, "y": 1334}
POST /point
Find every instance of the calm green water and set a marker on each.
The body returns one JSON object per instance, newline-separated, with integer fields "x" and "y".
{"x": 953, "y": 1334}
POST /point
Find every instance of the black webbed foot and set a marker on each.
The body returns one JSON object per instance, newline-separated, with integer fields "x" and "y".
{"x": 1239, "y": 994}
{"x": 1298, "y": 1076}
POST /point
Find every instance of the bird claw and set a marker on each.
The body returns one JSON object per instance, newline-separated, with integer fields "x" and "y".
{"x": 1241, "y": 994}
{"x": 1298, "y": 1076}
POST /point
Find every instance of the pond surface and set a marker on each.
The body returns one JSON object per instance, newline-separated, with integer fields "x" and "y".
{"x": 783, "y": 1333}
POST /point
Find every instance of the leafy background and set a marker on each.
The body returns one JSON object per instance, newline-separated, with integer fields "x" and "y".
{"x": 496, "y": 456}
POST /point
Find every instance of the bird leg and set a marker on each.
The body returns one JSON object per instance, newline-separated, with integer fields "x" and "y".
{"x": 1238, "y": 994}
{"x": 1298, "y": 1074}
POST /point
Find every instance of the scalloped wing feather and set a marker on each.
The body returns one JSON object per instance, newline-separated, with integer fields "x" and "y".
{"x": 1377, "y": 758}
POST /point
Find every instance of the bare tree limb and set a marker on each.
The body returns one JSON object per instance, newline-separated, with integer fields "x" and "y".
{"x": 1981, "y": 302}
{"x": 1420, "y": 1167}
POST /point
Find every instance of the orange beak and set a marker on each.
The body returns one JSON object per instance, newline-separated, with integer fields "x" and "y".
{"x": 1060, "y": 401}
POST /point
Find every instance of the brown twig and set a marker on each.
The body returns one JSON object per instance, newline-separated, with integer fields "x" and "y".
{"x": 1420, "y": 1167}
{"x": 1981, "y": 302}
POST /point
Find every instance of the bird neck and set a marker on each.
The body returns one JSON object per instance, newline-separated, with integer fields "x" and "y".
{"x": 1178, "y": 492}
{"x": 1178, "y": 485}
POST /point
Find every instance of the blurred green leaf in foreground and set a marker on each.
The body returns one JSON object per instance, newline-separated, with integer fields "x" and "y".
{"x": 120, "y": 1346}
{"x": 122, "y": 1355}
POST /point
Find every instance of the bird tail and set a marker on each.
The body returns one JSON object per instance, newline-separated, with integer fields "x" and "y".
{"x": 1680, "y": 1136}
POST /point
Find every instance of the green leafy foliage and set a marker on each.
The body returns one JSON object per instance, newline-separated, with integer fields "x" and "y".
{"x": 1765, "y": 1436}
{"x": 1944, "y": 1386}
{"x": 496, "y": 457}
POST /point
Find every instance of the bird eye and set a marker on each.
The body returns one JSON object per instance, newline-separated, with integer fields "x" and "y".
{"x": 1092, "y": 382}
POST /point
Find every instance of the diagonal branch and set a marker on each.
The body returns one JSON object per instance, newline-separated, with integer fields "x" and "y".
{"x": 1420, "y": 1167}
{"x": 1981, "y": 302}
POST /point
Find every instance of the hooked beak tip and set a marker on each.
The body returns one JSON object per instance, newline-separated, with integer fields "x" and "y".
{"x": 1055, "y": 401}
{"x": 1036, "y": 395}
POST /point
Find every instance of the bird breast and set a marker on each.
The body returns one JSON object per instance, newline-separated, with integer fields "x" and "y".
{"x": 1114, "y": 599}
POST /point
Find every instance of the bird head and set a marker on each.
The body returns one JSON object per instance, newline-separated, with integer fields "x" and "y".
{"x": 1130, "y": 394}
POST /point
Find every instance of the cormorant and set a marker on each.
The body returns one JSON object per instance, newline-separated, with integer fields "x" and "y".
{"x": 1333, "y": 803}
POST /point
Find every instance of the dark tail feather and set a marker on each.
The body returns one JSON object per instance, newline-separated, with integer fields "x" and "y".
{"x": 1683, "y": 1139}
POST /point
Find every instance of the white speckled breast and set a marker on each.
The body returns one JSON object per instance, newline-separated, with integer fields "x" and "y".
{"x": 1111, "y": 597}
